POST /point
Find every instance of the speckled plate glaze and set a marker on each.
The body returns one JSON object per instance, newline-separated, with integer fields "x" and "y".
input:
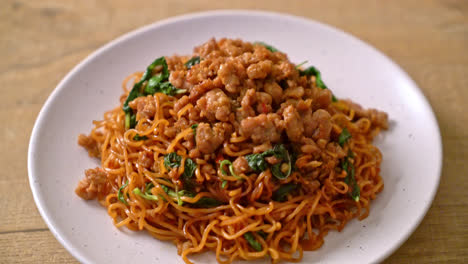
{"x": 351, "y": 68}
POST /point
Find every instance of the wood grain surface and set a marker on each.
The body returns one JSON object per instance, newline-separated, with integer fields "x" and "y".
{"x": 40, "y": 41}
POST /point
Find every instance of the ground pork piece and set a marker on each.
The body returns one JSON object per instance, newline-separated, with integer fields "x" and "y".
{"x": 318, "y": 125}
{"x": 229, "y": 78}
{"x": 146, "y": 159}
{"x": 264, "y": 102}
{"x": 259, "y": 70}
{"x": 179, "y": 104}
{"x": 240, "y": 165}
{"x": 200, "y": 89}
{"x": 377, "y": 118}
{"x": 294, "y": 125}
{"x": 244, "y": 112}
{"x": 323, "y": 99}
{"x": 284, "y": 70}
{"x": 273, "y": 89}
{"x": 208, "y": 169}
{"x": 309, "y": 146}
{"x": 209, "y": 139}
{"x": 215, "y": 105}
{"x": 94, "y": 185}
{"x": 246, "y": 109}
{"x": 194, "y": 113}
{"x": 249, "y": 98}
{"x": 177, "y": 79}
{"x": 145, "y": 106}
{"x": 336, "y": 149}
{"x": 231, "y": 73}
{"x": 358, "y": 109}
{"x": 231, "y": 47}
{"x": 206, "y": 48}
{"x": 294, "y": 92}
{"x": 90, "y": 145}
{"x": 262, "y": 128}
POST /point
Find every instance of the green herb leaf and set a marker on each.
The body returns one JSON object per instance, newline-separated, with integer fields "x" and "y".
{"x": 280, "y": 194}
{"x": 207, "y": 202}
{"x": 350, "y": 179}
{"x": 222, "y": 164}
{"x": 135, "y": 92}
{"x": 300, "y": 64}
{"x": 172, "y": 160}
{"x": 169, "y": 191}
{"x": 145, "y": 195}
{"x": 169, "y": 89}
{"x": 312, "y": 71}
{"x": 231, "y": 168}
{"x": 263, "y": 234}
{"x": 257, "y": 161}
{"x": 120, "y": 193}
{"x": 192, "y": 61}
{"x": 158, "y": 83}
{"x": 194, "y": 128}
{"x": 269, "y": 47}
{"x": 279, "y": 151}
{"x": 344, "y": 136}
{"x": 223, "y": 184}
{"x": 189, "y": 169}
{"x": 204, "y": 202}
{"x": 138, "y": 137}
{"x": 253, "y": 242}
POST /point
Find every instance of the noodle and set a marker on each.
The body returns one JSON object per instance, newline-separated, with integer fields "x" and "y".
{"x": 240, "y": 153}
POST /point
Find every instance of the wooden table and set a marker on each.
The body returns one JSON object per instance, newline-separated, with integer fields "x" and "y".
{"x": 40, "y": 41}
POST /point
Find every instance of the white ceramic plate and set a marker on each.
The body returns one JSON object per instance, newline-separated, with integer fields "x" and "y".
{"x": 351, "y": 68}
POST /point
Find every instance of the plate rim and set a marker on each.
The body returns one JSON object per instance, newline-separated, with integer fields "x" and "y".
{"x": 38, "y": 199}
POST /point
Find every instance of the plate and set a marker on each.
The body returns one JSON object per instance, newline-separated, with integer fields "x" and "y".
{"x": 352, "y": 69}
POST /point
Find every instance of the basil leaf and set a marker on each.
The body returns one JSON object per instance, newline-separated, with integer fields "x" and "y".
{"x": 192, "y": 61}
{"x": 189, "y": 168}
{"x": 120, "y": 194}
{"x": 253, "y": 242}
{"x": 279, "y": 151}
{"x": 231, "y": 168}
{"x": 194, "y": 128}
{"x": 344, "y": 136}
{"x": 204, "y": 202}
{"x": 145, "y": 195}
{"x": 268, "y": 47}
{"x": 350, "y": 179}
{"x": 223, "y": 184}
{"x": 256, "y": 162}
{"x": 298, "y": 66}
{"x": 312, "y": 71}
{"x": 172, "y": 160}
{"x": 169, "y": 191}
{"x": 169, "y": 89}
{"x": 263, "y": 234}
{"x": 207, "y": 202}
{"x": 158, "y": 83}
{"x": 280, "y": 194}
{"x": 138, "y": 137}
{"x": 135, "y": 92}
